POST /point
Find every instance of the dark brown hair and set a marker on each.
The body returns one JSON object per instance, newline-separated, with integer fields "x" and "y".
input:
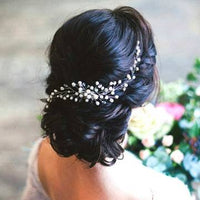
{"x": 98, "y": 44}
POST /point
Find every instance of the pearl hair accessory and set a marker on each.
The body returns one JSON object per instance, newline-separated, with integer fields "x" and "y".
{"x": 97, "y": 94}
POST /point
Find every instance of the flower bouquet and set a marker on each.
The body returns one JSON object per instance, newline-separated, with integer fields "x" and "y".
{"x": 166, "y": 136}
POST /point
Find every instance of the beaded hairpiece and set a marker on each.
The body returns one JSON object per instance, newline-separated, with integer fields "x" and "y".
{"x": 97, "y": 94}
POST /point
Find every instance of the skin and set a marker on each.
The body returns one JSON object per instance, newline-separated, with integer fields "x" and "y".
{"x": 69, "y": 178}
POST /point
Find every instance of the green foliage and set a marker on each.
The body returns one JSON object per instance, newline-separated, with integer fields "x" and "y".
{"x": 170, "y": 92}
{"x": 185, "y": 131}
{"x": 191, "y": 77}
{"x": 39, "y": 117}
{"x": 197, "y": 66}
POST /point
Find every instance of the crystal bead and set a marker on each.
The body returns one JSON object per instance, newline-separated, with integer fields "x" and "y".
{"x": 125, "y": 84}
{"x": 73, "y": 84}
{"x": 97, "y": 103}
{"x": 88, "y": 91}
{"x": 96, "y": 96}
{"x": 89, "y": 96}
{"x": 111, "y": 100}
{"x": 129, "y": 76}
{"x": 97, "y": 82}
{"x": 116, "y": 97}
{"x": 80, "y": 89}
{"x": 62, "y": 88}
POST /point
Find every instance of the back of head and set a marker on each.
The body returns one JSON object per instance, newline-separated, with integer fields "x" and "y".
{"x": 98, "y": 44}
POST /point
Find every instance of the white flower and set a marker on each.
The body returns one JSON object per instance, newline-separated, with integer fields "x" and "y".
{"x": 197, "y": 113}
{"x": 148, "y": 141}
{"x": 167, "y": 140}
{"x": 144, "y": 154}
{"x": 177, "y": 156}
{"x": 198, "y": 91}
{"x": 150, "y": 121}
{"x": 168, "y": 150}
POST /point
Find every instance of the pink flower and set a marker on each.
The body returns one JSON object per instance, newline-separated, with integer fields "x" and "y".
{"x": 177, "y": 156}
{"x": 144, "y": 154}
{"x": 174, "y": 109}
{"x": 167, "y": 140}
{"x": 148, "y": 141}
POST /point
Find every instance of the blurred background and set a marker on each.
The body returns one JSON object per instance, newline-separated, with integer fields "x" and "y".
{"x": 27, "y": 27}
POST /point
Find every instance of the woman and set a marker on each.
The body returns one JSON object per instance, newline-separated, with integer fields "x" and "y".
{"x": 102, "y": 65}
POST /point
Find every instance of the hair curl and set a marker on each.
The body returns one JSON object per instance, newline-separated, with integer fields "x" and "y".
{"x": 98, "y": 44}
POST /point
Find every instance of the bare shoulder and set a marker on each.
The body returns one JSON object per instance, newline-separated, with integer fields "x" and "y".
{"x": 45, "y": 162}
{"x": 127, "y": 176}
{"x": 146, "y": 180}
{"x": 166, "y": 187}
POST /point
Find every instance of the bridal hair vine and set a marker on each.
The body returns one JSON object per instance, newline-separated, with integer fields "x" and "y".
{"x": 97, "y": 94}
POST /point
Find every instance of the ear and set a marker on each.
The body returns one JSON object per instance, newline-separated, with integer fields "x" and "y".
{"x": 124, "y": 143}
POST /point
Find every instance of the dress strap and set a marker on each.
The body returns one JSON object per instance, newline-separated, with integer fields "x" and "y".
{"x": 33, "y": 166}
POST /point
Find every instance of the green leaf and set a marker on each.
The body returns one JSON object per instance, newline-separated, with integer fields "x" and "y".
{"x": 39, "y": 117}
{"x": 184, "y": 147}
{"x": 197, "y": 65}
{"x": 182, "y": 177}
{"x": 191, "y": 77}
{"x": 132, "y": 140}
{"x": 194, "y": 131}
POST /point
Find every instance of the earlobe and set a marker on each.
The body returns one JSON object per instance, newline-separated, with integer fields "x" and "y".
{"x": 125, "y": 142}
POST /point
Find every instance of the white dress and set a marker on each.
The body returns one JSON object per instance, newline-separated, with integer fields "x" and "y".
{"x": 162, "y": 187}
